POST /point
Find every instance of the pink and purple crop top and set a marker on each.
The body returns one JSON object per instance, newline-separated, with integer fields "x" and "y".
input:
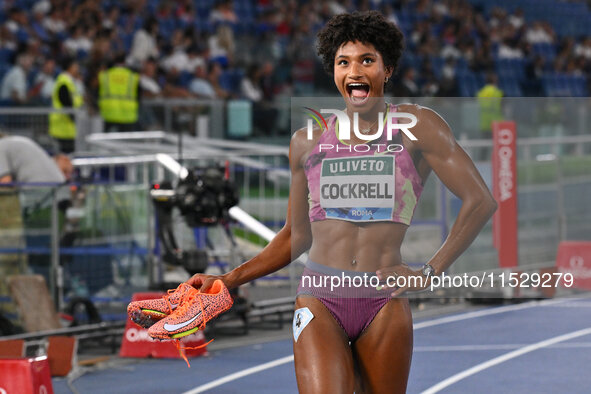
{"x": 375, "y": 182}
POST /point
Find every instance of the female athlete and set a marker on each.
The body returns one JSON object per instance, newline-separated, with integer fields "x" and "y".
{"x": 351, "y": 208}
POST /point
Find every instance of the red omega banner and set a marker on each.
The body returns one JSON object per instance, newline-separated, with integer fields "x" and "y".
{"x": 504, "y": 164}
{"x": 25, "y": 376}
{"x": 575, "y": 258}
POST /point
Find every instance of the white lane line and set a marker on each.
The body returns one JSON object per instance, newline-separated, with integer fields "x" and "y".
{"x": 574, "y": 304}
{"x": 485, "y": 312}
{"x": 416, "y": 326}
{"x": 240, "y": 374}
{"x": 505, "y": 357}
{"x": 504, "y": 346}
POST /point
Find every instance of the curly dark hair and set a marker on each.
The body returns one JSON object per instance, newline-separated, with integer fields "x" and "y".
{"x": 369, "y": 27}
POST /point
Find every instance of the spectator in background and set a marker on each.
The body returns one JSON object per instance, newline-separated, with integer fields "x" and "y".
{"x": 151, "y": 88}
{"x": 185, "y": 11}
{"x": 214, "y": 71}
{"x": 177, "y": 59}
{"x": 250, "y": 85}
{"x": 223, "y": 12}
{"x": 497, "y": 17}
{"x": 447, "y": 85}
{"x": 34, "y": 47}
{"x": 17, "y": 23}
{"x": 450, "y": 50}
{"x": 43, "y": 6}
{"x": 264, "y": 114}
{"x": 387, "y": 10}
{"x": 301, "y": 54}
{"x": 407, "y": 86}
{"x": 509, "y": 49}
{"x": 54, "y": 22}
{"x": 118, "y": 97}
{"x": 171, "y": 86}
{"x": 583, "y": 49}
{"x": 37, "y": 27}
{"x": 539, "y": 33}
{"x": 14, "y": 85}
{"x": 99, "y": 57}
{"x": 66, "y": 94}
{"x": 89, "y": 14}
{"x": 43, "y": 86}
{"x": 484, "y": 59}
{"x": 536, "y": 69}
{"x": 200, "y": 85}
{"x": 109, "y": 21}
{"x": 148, "y": 83}
{"x": 222, "y": 46}
{"x": 448, "y": 71}
{"x": 489, "y": 101}
{"x": 517, "y": 19}
{"x": 144, "y": 43}
{"x": 78, "y": 41}
{"x": 267, "y": 81}
{"x": 420, "y": 33}
{"x": 7, "y": 40}
{"x": 195, "y": 58}
{"x": 285, "y": 15}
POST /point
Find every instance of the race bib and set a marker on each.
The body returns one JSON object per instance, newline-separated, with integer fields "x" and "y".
{"x": 358, "y": 188}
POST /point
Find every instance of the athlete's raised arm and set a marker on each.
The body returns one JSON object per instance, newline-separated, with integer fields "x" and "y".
{"x": 291, "y": 241}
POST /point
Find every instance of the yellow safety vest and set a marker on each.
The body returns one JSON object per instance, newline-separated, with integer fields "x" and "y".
{"x": 62, "y": 125}
{"x": 489, "y": 98}
{"x": 118, "y": 101}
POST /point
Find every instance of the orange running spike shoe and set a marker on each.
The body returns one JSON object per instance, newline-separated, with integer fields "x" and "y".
{"x": 147, "y": 312}
{"x": 195, "y": 310}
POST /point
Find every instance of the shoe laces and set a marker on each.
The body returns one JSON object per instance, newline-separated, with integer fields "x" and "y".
{"x": 168, "y": 295}
{"x": 185, "y": 303}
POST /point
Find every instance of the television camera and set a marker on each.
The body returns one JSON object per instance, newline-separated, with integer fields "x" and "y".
{"x": 203, "y": 198}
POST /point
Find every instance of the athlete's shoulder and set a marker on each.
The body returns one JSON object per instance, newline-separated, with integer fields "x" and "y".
{"x": 430, "y": 124}
{"x": 423, "y": 114}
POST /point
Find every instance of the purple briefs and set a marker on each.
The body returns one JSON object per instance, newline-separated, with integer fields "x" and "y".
{"x": 350, "y": 296}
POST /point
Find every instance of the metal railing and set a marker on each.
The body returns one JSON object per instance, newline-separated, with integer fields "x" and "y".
{"x": 554, "y": 176}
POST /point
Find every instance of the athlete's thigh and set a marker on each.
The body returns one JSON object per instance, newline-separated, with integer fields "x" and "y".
{"x": 383, "y": 352}
{"x": 323, "y": 358}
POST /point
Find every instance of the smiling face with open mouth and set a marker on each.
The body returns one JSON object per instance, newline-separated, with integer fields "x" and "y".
{"x": 360, "y": 73}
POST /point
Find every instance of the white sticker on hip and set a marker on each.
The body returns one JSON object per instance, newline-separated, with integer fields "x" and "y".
{"x": 301, "y": 318}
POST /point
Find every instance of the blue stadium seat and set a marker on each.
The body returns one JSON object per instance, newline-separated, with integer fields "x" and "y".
{"x": 563, "y": 85}
{"x": 6, "y": 55}
{"x": 511, "y": 68}
{"x": 510, "y": 86}
{"x": 185, "y": 78}
{"x": 548, "y": 51}
{"x": 577, "y": 85}
{"x": 230, "y": 80}
{"x": 469, "y": 83}
{"x": 127, "y": 40}
{"x": 4, "y": 67}
{"x": 461, "y": 65}
{"x": 437, "y": 62}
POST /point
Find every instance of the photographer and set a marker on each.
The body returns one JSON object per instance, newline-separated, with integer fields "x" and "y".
{"x": 22, "y": 160}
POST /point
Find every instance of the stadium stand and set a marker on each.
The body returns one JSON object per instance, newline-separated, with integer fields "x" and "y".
{"x": 518, "y": 32}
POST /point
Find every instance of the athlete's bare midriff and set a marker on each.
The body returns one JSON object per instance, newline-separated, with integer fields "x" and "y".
{"x": 336, "y": 243}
